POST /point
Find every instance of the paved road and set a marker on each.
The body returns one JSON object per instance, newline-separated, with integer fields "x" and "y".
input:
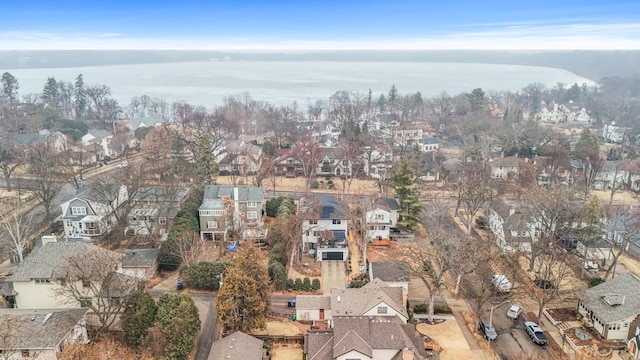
{"x": 207, "y": 334}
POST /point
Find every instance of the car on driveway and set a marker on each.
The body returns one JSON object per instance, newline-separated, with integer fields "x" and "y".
{"x": 535, "y": 333}
{"x": 514, "y": 312}
{"x": 123, "y": 164}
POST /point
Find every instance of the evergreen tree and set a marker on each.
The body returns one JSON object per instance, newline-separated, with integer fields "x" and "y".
{"x": 51, "y": 92}
{"x": 80, "y": 97}
{"x": 592, "y": 215}
{"x": 476, "y": 99}
{"x": 10, "y": 87}
{"x": 587, "y": 148}
{"x": 239, "y": 304}
{"x": 249, "y": 262}
{"x": 179, "y": 324}
{"x": 410, "y": 205}
{"x": 206, "y": 167}
{"x": 139, "y": 315}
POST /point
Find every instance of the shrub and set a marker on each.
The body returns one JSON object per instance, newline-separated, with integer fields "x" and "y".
{"x": 442, "y": 309}
{"x": 290, "y": 284}
{"x": 315, "y": 284}
{"x": 306, "y": 284}
{"x": 204, "y": 275}
{"x": 138, "y": 316}
{"x": 594, "y": 281}
{"x": 297, "y": 284}
{"x": 357, "y": 283}
{"x": 420, "y": 308}
{"x": 315, "y": 184}
{"x": 278, "y": 275}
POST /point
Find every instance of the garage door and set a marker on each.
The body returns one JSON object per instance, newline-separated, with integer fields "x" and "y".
{"x": 333, "y": 255}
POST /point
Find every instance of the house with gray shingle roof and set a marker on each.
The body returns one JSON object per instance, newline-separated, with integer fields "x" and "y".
{"x": 612, "y": 307}
{"x": 228, "y": 207}
{"x": 40, "y": 334}
{"x": 240, "y": 158}
{"x": 362, "y": 337}
{"x": 156, "y": 208}
{"x": 237, "y": 346}
{"x": 324, "y": 227}
{"x": 140, "y": 263}
{"x": 88, "y": 214}
{"x": 514, "y": 228}
{"x": 381, "y": 218}
{"x": 393, "y": 273}
{"x": 374, "y": 299}
{"x": 148, "y": 120}
{"x": 39, "y": 280}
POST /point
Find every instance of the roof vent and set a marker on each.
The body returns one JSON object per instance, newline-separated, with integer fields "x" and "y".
{"x": 338, "y": 299}
{"x": 33, "y": 317}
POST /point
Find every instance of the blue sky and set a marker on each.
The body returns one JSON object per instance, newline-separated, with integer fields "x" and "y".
{"x": 308, "y": 24}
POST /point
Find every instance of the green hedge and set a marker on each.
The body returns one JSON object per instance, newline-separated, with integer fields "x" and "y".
{"x": 204, "y": 275}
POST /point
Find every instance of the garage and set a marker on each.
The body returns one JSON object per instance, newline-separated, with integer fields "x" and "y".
{"x": 333, "y": 255}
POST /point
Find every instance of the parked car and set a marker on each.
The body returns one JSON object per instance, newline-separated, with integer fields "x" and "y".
{"x": 123, "y": 164}
{"x": 535, "y": 333}
{"x": 590, "y": 265}
{"x": 487, "y": 330}
{"x": 501, "y": 283}
{"x": 514, "y": 312}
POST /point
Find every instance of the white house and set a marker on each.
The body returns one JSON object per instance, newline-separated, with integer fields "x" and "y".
{"x": 375, "y": 299}
{"x": 140, "y": 263}
{"x": 86, "y": 215}
{"x": 381, "y": 218}
{"x": 98, "y": 137}
{"x": 514, "y": 229}
{"x": 504, "y": 168}
{"x": 611, "y": 307}
{"x": 324, "y": 227}
{"x": 40, "y": 334}
{"x": 611, "y": 174}
{"x": 429, "y": 144}
{"x": 393, "y": 273}
{"x": 615, "y": 134}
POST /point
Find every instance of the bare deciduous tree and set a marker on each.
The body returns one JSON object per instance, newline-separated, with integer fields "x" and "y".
{"x": 16, "y": 229}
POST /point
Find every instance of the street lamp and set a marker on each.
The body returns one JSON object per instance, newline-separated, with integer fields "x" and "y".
{"x": 495, "y": 307}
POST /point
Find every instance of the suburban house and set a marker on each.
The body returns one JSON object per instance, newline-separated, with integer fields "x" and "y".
{"x": 228, "y": 207}
{"x": 37, "y": 282}
{"x": 378, "y": 163}
{"x": 363, "y": 337}
{"x": 429, "y": 144}
{"x": 506, "y": 168}
{"x": 155, "y": 208}
{"x": 514, "y": 229}
{"x": 409, "y": 134}
{"x": 88, "y": 215}
{"x": 287, "y": 164}
{"x": 615, "y": 134}
{"x": 238, "y": 346}
{"x": 56, "y": 139}
{"x": 622, "y": 229}
{"x": 632, "y": 167}
{"x": 393, "y": 273}
{"x": 455, "y": 169}
{"x": 101, "y": 138}
{"x": 611, "y": 308}
{"x": 375, "y": 299}
{"x": 140, "y": 263}
{"x": 561, "y": 113}
{"x": 148, "y": 120}
{"x": 381, "y": 218}
{"x": 324, "y": 227}
{"x": 334, "y": 163}
{"x": 610, "y": 174}
{"x": 240, "y": 158}
{"x": 40, "y": 334}
{"x": 594, "y": 249}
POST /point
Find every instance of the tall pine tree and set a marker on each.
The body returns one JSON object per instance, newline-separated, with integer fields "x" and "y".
{"x": 410, "y": 205}
{"x": 206, "y": 166}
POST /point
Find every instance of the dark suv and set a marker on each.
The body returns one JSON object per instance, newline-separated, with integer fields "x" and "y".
{"x": 488, "y": 331}
{"x": 535, "y": 333}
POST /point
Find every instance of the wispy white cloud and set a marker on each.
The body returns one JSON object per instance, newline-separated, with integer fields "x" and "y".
{"x": 517, "y": 36}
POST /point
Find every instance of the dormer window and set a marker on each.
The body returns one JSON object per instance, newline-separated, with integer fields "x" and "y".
{"x": 79, "y": 210}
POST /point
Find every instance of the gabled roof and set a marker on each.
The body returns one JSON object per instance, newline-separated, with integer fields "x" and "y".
{"x": 38, "y": 329}
{"x": 237, "y": 346}
{"x": 313, "y": 302}
{"x": 430, "y": 141}
{"x": 390, "y": 271}
{"x": 51, "y": 260}
{"x": 140, "y": 258}
{"x": 358, "y": 301}
{"x": 151, "y": 120}
{"x": 100, "y": 133}
{"x": 245, "y": 193}
{"x": 162, "y": 193}
{"x": 614, "y": 300}
{"x": 389, "y": 204}
{"x": 509, "y": 161}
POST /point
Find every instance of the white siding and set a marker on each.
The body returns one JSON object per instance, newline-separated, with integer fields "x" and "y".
{"x": 390, "y": 312}
{"x": 41, "y": 296}
{"x": 353, "y": 355}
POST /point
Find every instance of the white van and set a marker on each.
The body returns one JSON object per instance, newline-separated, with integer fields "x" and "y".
{"x": 501, "y": 283}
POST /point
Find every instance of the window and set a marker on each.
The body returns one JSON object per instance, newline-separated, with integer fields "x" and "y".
{"x": 78, "y": 211}
{"x": 252, "y": 215}
{"x": 115, "y": 302}
{"x": 379, "y": 217}
{"x": 252, "y": 204}
{"x": 86, "y": 283}
{"x": 212, "y": 224}
{"x": 85, "y": 302}
{"x": 382, "y": 309}
{"x": 162, "y": 221}
{"x": 211, "y": 213}
{"x": 313, "y": 222}
{"x": 336, "y": 222}
{"x": 25, "y": 353}
{"x": 42, "y": 281}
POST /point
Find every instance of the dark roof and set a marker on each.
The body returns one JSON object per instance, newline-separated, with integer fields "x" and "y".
{"x": 323, "y": 207}
{"x": 390, "y": 271}
{"x": 140, "y": 258}
{"x": 430, "y": 141}
{"x": 386, "y": 203}
{"x": 614, "y": 300}
{"x": 162, "y": 193}
{"x": 237, "y": 346}
{"x": 38, "y": 329}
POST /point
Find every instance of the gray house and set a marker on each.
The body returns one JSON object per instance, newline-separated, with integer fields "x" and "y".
{"x": 237, "y": 346}
{"x": 88, "y": 215}
{"x": 228, "y": 207}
